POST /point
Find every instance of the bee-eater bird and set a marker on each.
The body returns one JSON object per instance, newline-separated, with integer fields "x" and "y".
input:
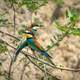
{"x": 30, "y": 41}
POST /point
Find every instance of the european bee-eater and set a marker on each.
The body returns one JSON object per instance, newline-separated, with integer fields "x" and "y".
{"x": 30, "y": 41}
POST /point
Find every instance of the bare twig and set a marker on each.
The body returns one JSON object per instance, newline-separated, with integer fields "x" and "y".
{"x": 45, "y": 74}
{"x": 9, "y": 35}
{"x": 40, "y": 67}
{"x": 9, "y": 73}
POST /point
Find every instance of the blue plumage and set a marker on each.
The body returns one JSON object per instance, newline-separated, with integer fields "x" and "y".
{"x": 33, "y": 44}
{"x": 22, "y": 45}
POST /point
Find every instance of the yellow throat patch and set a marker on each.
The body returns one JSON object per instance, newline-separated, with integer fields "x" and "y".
{"x": 25, "y": 36}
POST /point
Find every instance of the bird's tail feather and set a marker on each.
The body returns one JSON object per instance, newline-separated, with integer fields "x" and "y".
{"x": 45, "y": 54}
{"x": 16, "y": 54}
{"x": 19, "y": 48}
{"x": 49, "y": 57}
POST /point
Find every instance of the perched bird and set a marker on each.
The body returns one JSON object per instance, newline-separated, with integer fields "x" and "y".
{"x": 30, "y": 41}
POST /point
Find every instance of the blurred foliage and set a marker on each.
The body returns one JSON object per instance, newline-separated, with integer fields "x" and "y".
{"x": 38, "y": 22}
{"x": 4, "y": 74}
{"x": 75, "y": 31}
{"x": 71, "y": 30}
{"x": 12, "y": 1}
{"x": 73, "y": 16}
{"x": 33, "y": 5}
{"x": 2, "y": 20}
{"x": 59, "y": 2}
{"x": 3, "y": 47}
{"x": 61, "y": 27}
{"x": 22, "y": 30}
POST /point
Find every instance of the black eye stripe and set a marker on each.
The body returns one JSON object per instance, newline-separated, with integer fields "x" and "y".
{"x": 29, "y": 33}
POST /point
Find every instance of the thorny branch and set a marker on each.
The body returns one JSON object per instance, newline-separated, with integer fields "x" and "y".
{"x": 29, "y": 56}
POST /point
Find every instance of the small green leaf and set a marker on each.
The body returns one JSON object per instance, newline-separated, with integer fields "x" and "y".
{"x": 59, "y": 2}
{"x": 21, "y": 31}
{"x": 48, "y": 46}
{"x": 61, "y": 27}
{"x": 52, "y": 40}
{"x": 3, "y": 47}
{"x": 73, "y": 15}
{"x": 33, "y": 5}
{"x": 11, "y": 1}
{"x": 61, "y": 66}
{"x": 0, "y": 63}
{"x": 75, "y": 31}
